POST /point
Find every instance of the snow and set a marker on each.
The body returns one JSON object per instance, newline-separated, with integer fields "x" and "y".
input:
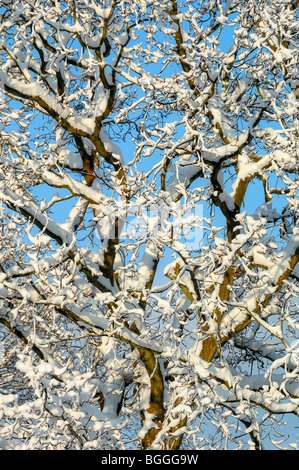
{"x": 221, "y": 19}
{"x": 110, "y": 146}
{"x": 180, "y": 180}
{"x": 91, "y": 315}
{"x": 145, "y": 268}
{"x": 37, "y": 93}
{"x": 265, "y": 210}
{"x": 73, "y": 160}
{"x": 227, "y": 199}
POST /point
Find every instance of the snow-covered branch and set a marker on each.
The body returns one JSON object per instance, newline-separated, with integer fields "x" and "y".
{"x": 149, "y": 239}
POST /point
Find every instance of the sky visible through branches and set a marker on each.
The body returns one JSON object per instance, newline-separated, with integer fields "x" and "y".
{"x": 149, "y": 239}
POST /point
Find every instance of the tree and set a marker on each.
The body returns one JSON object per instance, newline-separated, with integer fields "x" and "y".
{"x": 149, "y": 233}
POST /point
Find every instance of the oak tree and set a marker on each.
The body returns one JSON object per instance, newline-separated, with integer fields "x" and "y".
{"x": 149, "y": 238}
